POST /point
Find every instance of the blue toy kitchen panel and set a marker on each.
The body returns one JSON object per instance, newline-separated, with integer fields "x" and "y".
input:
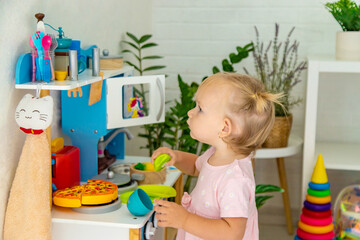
{"x": 85, "y": 125}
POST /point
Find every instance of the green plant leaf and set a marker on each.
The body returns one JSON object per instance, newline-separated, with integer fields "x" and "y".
{"x": 153, "y": 68}
{"x": 170, "y": 141}
{"x": 132, "y": 36}
{"x": 144, "y": 38}
{"x": 227, "y": 67}
{"x": 148, "y": 45}
{"x": 129, "y": 51}
{"x": 152, "y": 57}
{"x": 215, "y": 70}
{"x": 235, "y": 58}
{"x": 131, "y": 64}
{"x": 266, "y": 188}
{"x": 131, "y": 44}
{"x": 242, "y": 53}
{"x": 144, "y": 135}
{"x": 260, "y": 200}
{"x": 249, "y": 47}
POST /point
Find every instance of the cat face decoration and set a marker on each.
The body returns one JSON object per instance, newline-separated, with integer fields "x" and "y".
{"x": 34, "y": 115}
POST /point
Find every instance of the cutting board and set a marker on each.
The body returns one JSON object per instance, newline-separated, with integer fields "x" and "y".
{"x": 109, "y": 62}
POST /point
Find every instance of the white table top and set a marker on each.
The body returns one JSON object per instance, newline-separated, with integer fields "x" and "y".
{"x": 294, "y": 146}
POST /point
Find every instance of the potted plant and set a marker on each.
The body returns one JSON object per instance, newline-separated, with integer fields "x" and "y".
{"x": 280, "y": 72}
{"x": 347, "y": 14}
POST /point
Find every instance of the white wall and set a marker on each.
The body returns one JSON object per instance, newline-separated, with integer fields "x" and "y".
{"x": 93, "y": 22}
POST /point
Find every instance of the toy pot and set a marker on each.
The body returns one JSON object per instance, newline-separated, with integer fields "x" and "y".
{"x": 139, "y": 203}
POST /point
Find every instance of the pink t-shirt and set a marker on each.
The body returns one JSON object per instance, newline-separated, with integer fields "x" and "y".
{"x": 223, "y": 191}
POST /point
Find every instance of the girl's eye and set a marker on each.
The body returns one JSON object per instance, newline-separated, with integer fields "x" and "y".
{"x": 200, "y": 110}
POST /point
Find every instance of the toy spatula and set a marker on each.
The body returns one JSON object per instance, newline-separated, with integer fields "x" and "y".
{"x": 160, "y": 161}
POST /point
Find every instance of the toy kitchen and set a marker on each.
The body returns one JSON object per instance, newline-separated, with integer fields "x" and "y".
{"x": 97, "y": 104}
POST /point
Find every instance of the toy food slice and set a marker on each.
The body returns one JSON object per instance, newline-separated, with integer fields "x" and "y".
{"x": 99, "y": 192}
{"x": 160, "y": 161}
{"x": 68, "y": 197}
{"x": 95, "y": 192}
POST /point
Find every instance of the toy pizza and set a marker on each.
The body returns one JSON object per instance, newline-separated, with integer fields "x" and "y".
{"x": 95, "y": 192}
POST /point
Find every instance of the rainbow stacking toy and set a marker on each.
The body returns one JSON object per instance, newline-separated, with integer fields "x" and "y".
{"x": 316, "y": 219}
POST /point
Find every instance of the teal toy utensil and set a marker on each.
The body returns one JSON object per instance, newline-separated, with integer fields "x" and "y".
{"x": 37, "y": 38}
{"x": 160, "y": 161}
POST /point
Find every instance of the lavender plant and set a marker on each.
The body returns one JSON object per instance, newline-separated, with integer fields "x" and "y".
{"x": 279, "y": 72}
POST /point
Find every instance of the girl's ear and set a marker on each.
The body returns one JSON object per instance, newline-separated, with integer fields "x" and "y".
{"x": 227, "y": 128}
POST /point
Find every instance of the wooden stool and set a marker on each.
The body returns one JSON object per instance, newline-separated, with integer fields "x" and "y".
{"x": 294, "y": 146}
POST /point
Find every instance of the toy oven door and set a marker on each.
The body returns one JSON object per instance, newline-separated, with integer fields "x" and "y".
{"x": 135, "y": 101}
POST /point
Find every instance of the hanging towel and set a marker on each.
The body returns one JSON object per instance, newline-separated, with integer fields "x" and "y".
{"x": 28, "y": 213}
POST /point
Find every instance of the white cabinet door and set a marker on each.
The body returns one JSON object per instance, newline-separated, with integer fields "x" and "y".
{"x": 126, "y": 107}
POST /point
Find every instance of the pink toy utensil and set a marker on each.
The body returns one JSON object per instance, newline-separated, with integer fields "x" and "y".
{"x": 33, "y": 59}
{"x": 46, "y": 43}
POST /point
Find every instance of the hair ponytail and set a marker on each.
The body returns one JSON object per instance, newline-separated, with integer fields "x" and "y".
{"x": 263, "y": 99}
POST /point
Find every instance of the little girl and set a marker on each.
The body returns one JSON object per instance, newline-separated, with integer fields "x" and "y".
{"x": 234, "y": 115}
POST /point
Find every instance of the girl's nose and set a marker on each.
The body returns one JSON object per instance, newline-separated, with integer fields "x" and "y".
{"x": 189, "y": 113}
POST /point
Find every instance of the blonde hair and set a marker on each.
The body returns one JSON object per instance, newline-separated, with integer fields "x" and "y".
{"x": 250, "y": 102}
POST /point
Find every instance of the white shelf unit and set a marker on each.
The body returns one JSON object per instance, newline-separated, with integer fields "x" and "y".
{"x": 337, "y": 155}
{"x": 340, "y": 156}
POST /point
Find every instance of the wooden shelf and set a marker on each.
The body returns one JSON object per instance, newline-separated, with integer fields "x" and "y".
{"x": 339, "y": 156}
{"x": 85, "y": 78}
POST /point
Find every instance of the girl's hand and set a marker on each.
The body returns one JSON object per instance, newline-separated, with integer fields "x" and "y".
{"x": 170, "y": 214}
{"x": 165, "y": 150}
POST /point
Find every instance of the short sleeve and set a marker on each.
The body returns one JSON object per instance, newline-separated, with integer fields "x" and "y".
{"x": 235, "y": 197}
{"x": 203, "y": 158}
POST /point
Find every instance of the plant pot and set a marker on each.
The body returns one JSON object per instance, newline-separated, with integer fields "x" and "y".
{"x": 280, "y": 132}
{"x": 348, "y": 46}
{"x": 151, "y": 177}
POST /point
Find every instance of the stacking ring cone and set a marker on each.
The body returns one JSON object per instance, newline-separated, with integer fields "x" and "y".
{"x": 316, "y": 218}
